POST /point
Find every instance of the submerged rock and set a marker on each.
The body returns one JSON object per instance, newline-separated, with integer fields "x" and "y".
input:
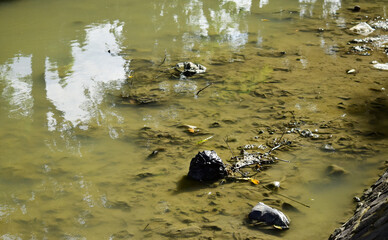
{"x": 336, "y": 171}
{"x": 207, "y": 166}
{"x": 270, "y": 216}
{"x": 356, "y": 8}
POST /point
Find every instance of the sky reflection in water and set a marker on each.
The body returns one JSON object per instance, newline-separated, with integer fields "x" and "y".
{"x": 79, "y": 93}
{"x": 77, "y": 89}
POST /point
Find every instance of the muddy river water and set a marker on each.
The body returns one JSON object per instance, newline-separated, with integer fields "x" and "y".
{"x": 94, "y": 142}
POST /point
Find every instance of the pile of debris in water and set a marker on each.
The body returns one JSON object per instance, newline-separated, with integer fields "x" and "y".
{"x": 208, "y": 166}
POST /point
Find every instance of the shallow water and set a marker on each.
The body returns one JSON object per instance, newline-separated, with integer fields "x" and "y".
{"x": 74, "y": 153}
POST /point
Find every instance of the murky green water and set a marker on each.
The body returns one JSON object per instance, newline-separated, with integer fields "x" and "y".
{"x": 74, "y": 154}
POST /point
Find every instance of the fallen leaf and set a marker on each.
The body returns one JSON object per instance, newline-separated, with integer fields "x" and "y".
{"x": 254, "y": 181}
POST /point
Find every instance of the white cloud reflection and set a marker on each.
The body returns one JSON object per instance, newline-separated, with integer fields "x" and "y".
{"x": 241, "y": 4}
{"x": 196, "y": 17}
{"x": 306, "y": 7}
{"x": 228, "y": 27}
{"x": 330, "y": 7}
{"x": 263, "y": 3}
{"x": 78, "y": 93}
{"x": 16, "y": 76}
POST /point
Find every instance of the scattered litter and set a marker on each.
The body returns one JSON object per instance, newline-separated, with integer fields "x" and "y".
{"x": 188, "y": 69}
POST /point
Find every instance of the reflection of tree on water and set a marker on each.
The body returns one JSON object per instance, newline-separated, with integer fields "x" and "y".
{"x": 75, "y": 74}
{"x": 70, "y": 92}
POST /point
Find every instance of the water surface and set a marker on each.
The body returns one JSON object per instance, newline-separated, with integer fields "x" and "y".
{"x": 74, "y": 153}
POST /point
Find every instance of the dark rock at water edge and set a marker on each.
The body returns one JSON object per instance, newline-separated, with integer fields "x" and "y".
{"x": 268, "y": 215}
{"x": 370, "y": 220}
{"x": 207, "y": 166}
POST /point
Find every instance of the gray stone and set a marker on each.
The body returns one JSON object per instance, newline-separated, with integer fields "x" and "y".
{"x": 336, "y": 171}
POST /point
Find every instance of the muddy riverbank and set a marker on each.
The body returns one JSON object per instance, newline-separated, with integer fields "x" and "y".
{"x": 370, "y": 219}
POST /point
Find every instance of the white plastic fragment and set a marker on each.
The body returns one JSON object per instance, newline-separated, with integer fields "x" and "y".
{"x": 351, "y": 71}
{"x": 362, "y": 28}
{"x": 270, "y": 216}
{"x": 380, "y": 66}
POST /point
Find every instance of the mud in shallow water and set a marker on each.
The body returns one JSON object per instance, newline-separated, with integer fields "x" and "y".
{"x": 94, "y": 143}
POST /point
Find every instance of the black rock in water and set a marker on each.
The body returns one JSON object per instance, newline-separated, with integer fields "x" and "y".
{"x": 207, "y": 166}
{"x": 268, "y": 215}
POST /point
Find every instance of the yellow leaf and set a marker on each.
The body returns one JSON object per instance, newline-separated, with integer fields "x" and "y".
{"x": 254, "y": 181}
{"x": 204, "y": 140}
{"x": 191, "y": 130}
{"x": 265, "y": 20}
{"x": 277, "y": 227}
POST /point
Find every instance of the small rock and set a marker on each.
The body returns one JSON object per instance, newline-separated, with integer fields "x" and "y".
{"x": 362, "y": 28}
{"x": 328, "y": 148}
{"x": 215, "y": 125}
{"x": 155, "y": 153}
{"x": 356, "y": 199}
{"x": 275, "y": 185}
{"x": 336, "y": 171}
{"x": 268, "y": 215}
{"x": 144, "y": 175}
{"x": 306, "y": 133}
{"x": 356, "y": 8}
